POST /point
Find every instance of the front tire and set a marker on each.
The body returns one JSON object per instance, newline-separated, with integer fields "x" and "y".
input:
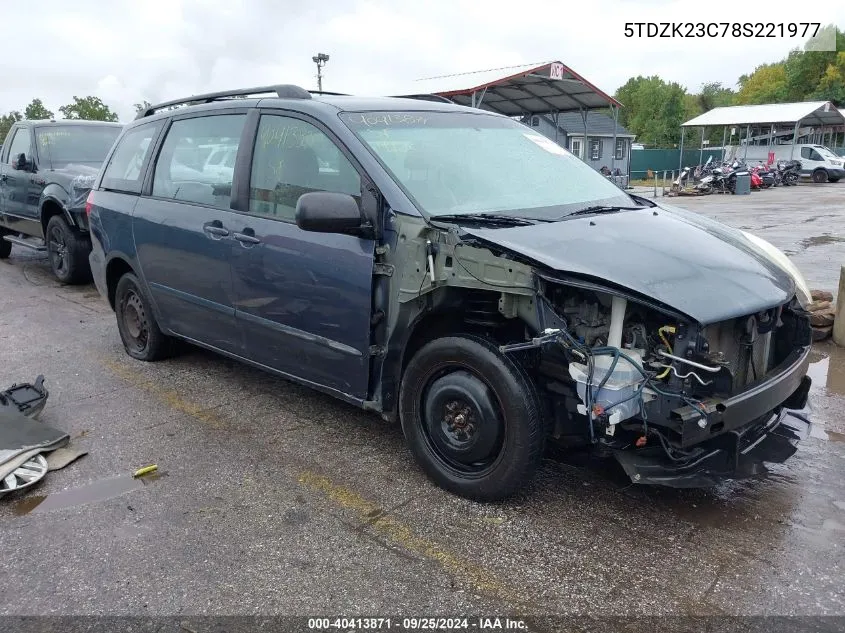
{"x": 820, "y": 175}
{"x": 472, "y": 418}
{"x": 141, "y": 336}
{"x": 68, "y": 252}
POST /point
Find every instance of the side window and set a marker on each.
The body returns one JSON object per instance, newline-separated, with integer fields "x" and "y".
{"x": 126, "y": 165}
{"x": 180, "y": 172}
{"x": 814, "y": 155}
{"x": 293, "y": 157}
{"x": 21, "y": 144}
{"x": 805, "y": 152}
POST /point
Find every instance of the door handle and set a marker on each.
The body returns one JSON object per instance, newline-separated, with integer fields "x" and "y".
{"x": 247, "y": 238}
{"x": 215, "y": 228}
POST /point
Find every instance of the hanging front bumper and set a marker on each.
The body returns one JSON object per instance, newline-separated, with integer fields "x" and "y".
{"x": 737, "y": 454}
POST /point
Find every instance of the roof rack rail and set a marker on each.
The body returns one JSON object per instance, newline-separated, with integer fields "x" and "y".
{"x": 425, "y": 97}
{"x": 284, "y": 91}
{"x": 330, "y": 94}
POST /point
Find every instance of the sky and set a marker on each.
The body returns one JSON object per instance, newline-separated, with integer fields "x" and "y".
{"x": 125, "y": 51}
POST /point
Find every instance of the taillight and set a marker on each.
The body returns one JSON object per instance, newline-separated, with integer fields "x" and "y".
{"x": 89, "y": 205}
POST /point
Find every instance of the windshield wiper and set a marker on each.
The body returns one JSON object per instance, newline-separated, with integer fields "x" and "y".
{"x": 486, "y": 218}
{"x": 602, "y": 209}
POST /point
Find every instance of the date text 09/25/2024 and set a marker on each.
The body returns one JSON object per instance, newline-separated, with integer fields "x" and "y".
{"x": 482, "y": 624}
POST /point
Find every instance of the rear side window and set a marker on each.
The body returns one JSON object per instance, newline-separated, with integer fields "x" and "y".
{"x": 126, "y": 165}
{"x": 186, "y": 172}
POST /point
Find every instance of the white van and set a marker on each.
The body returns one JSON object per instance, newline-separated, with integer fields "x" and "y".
{"x": 817, "y": 161}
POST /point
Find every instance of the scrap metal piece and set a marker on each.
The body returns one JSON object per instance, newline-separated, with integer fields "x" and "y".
{"x": 61, "y": 457}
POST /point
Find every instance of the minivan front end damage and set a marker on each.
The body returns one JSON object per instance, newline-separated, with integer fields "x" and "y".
{"x": 675, "y": 402}
{"x": 678, "y": 398}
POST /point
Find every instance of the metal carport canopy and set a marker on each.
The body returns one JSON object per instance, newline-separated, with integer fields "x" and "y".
{"x": 822, "y": 113}
{"x": 518, "y": 90}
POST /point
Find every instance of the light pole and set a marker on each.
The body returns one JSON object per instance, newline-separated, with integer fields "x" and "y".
{"x": 320, "y": 59}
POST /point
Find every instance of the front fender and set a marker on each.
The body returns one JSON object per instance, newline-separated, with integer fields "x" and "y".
{"x": 55, "y": 194}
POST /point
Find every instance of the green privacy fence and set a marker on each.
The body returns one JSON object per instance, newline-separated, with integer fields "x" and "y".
{"x": 840, "y": 151}
{"x": 658, "y": 160}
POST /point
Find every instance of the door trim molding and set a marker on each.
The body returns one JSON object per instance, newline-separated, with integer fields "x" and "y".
{"x": 300, "y": 334}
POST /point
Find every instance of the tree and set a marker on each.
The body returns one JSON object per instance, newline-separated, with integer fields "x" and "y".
{"x": 36, "y": 110}
{"x": 654, "y": 109}
{"x": 6, "y": 123}
{"x": 140, "y": 107}
{"x": 714, "y": 95}
{"x": 89, "y": 109}
{"x": 767, "y": 84}
{"x": 832, "y": 84}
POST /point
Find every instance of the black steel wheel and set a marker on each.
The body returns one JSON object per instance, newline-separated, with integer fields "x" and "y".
{"x": 68, "y": 252}
{"x": 820, "y": 175}
{"x": 136, "y": 322}
{"x": 462, "y": 422}
{"x": 471, "y": 418}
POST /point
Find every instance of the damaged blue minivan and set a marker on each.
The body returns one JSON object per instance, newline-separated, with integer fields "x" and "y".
{"x": 454, "y": 270}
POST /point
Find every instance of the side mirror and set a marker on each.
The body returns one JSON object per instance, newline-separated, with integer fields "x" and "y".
{"x": 324, "y": 212}
{"x": 21, "y": 162}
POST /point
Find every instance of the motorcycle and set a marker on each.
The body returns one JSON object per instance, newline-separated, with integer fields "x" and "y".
{"x": 790, "y": 172}
{"x": 765, "y": 177}
{"x": 737, "y": 168}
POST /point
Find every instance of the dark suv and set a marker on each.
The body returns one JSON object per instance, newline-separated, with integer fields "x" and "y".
{"x": 46, "y": 172}
{"x": 456, "y": 270}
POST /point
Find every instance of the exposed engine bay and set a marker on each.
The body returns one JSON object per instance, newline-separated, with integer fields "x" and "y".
{"x": 622, "y": 374}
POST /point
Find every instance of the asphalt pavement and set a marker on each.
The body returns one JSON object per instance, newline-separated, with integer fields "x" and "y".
{"x": 273, "y": 499}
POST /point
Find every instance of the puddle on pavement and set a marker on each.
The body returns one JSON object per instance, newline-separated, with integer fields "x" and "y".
{"x": 820, "y": 240}
{"x": 94, "y": 492}
{"x": 827, "y": 368}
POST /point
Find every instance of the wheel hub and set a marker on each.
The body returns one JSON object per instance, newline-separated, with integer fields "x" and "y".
{"x": 459, "y": 419}
{"x": 135, "y": 320}
{"x": 58, "y": 249}
{"x": 462, "y": 421}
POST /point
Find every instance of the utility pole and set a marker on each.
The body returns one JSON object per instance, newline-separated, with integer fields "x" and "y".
{"x": 320, "y": 59}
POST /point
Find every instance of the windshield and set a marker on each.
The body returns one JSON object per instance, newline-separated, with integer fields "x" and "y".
{"x": 465, "y": 163}
{"x": 62, "y": 145}
{"x": 824, "y": 151}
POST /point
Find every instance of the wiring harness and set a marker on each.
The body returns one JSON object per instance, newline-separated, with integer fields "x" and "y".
{"x": 562, "y": 337}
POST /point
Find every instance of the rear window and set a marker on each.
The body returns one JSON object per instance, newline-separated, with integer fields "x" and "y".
{"x": 126, "y": 165}
{"x": 63, "y": 145}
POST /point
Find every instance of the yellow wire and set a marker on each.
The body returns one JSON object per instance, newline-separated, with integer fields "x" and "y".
{"x": 660, "y": 332}
{"x": 666, "y": 328}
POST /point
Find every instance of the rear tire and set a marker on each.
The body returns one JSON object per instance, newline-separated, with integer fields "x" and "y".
{"x": 68, "y": 252}
{"x": 5, "y": 247}
{"x": 820, "y": 175}
{"x": 141, "y": 336}
{"x": 472, "y": 418}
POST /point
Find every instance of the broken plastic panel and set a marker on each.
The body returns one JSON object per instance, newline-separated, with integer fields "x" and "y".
{"x": 28, "y": 398}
